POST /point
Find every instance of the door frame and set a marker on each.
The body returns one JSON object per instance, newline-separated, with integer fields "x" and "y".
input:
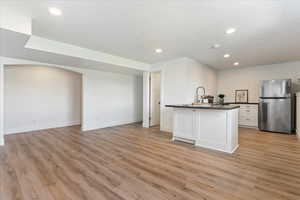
{"x": 150, "y": 96}
{"x": 146, "y": 98}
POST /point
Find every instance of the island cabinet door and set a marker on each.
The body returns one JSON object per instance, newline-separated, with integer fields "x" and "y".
{"x": 212, "y": 129}
{"x": 184, "y": 124}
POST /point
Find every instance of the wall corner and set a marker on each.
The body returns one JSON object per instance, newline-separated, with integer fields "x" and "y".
{"x": 146, "y": 96}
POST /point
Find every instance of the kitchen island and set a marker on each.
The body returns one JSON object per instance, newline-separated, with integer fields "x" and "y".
{"x": 207, "y": 125}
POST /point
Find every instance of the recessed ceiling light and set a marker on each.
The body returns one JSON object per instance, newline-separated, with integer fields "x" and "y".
{"x": 236, "y": 64}
{"x": 230, "y": 30}
{"x": 55, "y": 11}
{"x": 158, "y": 50}
{"x": 216, "y": 46}
{"x": 226, "y": 55}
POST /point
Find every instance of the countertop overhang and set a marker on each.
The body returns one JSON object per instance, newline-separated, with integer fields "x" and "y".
{"x": 249, "y": 103}
{"x": 205, "y": 106}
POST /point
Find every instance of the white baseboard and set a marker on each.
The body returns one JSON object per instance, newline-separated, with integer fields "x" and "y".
{"x": 183, "y": 140}
{"x": 217, "y": 148}
{"x": 244, "y": 126}
{"x": 145, "y": 124}
{"x": 40, "y": 127}
{"x": 234, "y": 149}
{"x": 97, "y": 124}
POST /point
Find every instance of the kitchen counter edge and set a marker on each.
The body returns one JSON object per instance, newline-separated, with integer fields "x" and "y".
{"x": 249, "y": 103}
{"x": 214, "y": 107}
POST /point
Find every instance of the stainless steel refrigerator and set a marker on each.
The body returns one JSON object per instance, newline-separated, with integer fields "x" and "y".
{"x": 276, "y": 106}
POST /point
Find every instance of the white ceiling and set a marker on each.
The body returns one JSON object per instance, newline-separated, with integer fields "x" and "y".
{"x": 267, "y": 30}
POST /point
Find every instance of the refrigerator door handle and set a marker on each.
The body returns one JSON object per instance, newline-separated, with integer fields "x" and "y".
{"x": 288, "y": 89}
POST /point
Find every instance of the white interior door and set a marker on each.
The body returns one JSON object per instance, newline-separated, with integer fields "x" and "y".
{"x": 155, "y": 99}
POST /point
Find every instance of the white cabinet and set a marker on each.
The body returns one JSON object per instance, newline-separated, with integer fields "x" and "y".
{"x": 184, "y": 125}
{"x": 209, "y": 128}
{"x": 211, "y": 132}
{"x": 248, "y": 116}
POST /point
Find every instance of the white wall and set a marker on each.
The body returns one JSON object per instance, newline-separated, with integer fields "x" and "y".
{"x": 1, "y": 103}
{"x": 250, "y": 77}
{"x": 146, "y": 102}
{"x": 111, "y": 99}
{"x": 179, "y": 79}
{"x": 103, "y": 97}
{"x": 37, "y": 97}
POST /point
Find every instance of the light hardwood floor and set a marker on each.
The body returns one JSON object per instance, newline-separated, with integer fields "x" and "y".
{"x": 129, "y": 162}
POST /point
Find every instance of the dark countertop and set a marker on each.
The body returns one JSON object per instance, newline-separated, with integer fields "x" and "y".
{"x": 251, "y": 103}
{"x": 205, "y": 106}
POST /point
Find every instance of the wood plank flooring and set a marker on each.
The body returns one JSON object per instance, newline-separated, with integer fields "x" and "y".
{"x": 129, "y": 162}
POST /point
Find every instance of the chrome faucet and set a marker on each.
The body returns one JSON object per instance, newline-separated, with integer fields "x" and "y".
{"x": 197, "y": 94}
